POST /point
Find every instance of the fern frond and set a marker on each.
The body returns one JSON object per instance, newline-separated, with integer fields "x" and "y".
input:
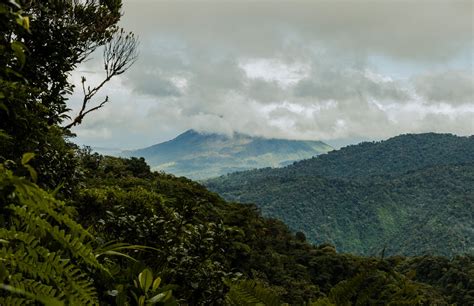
{"x": 82, "y": 292}
{"x": 49, "y": 268}
{"x": 322, "y": 302}
{"x": 73, "y": 244}
{"x": 43, "y": 203}
{"x": 249, "y": 292}
{"x": 43, "y": 249}
{"x": 15, "y": 301}
{"x": 12, "y": 300}
{"x": 344, "y": 291}
{"x": 37, "y": 288}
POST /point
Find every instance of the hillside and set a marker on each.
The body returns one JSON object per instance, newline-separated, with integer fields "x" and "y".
{"x": 202, "y": 238}
{"x": 412, "y": 194}
{"x": 198, "y": 155}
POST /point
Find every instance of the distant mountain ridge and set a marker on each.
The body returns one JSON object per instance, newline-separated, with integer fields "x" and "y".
{"x": 200, "y": 155}
{"x": 394, "y": 156}
{"x": 411, "y": 194}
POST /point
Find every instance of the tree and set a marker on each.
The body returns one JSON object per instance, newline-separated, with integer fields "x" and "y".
{"x": 35, "y": 63}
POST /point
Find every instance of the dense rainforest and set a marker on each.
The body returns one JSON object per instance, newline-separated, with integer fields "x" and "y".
{"x": 79, "y": 228}
{"x": 409, "y": 195}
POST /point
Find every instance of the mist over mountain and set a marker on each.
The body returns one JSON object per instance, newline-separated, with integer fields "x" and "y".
{"x": 203, "y": 155}
{"x": 411, "y": 195}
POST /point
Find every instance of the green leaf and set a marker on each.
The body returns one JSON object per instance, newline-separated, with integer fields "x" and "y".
{"x": 32, "y": 171}
{"x": 26, "y": 158}
{"x": 120, "y": 254}
{"x": 10, "y": 71}
{"x": 160, "y": 297}
{"x": 145, "y": 279}
{"x": 23, "y": 21}
{"x": 19, "y": 50}
{"x": 156, "y": 283}
{"x": 113, "y": 248}
{"x": 56, "y": 190}
{"x": 4, "y": 135}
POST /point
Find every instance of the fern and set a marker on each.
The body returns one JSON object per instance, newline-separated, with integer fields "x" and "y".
{"x": 43, "y": 253}
{"x": 15, "y": 301}
{"x": 322, "y": 302}
{"x": 249, "y": 292}
{"x": 345, "y": 291}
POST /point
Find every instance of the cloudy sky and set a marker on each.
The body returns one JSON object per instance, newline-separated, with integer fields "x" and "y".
{"x": 326, "y": 70}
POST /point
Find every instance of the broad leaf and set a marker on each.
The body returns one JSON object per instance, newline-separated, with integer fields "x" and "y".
{"x": 145, "y": 279}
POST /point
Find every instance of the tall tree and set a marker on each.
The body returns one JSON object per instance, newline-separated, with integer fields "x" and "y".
{"x": 35, "y": 63}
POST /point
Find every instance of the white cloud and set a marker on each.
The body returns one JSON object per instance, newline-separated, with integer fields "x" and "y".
{"x": 274, "y": 70}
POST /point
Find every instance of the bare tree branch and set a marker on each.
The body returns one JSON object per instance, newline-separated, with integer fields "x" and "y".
{"x": 120, "y": 53}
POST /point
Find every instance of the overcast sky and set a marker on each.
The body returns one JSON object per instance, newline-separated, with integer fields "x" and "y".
{"x": 322, "y": 70}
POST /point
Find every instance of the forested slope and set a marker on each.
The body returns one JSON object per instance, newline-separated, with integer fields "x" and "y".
{"x": 391, "y": 157}
{"x": 201, "y": 239}
{"x": 412, "y": 194}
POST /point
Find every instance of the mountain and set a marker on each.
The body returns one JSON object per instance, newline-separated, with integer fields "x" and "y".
{"x": 199, "y": 155}
{"x": 411, "y": 195}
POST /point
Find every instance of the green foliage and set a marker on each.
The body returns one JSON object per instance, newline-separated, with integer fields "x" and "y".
{"x": 249, "y": 292}
{"x": 173, "y": 216}
{"x": 48, "y": 257}
{"x": 150, "y": 291}
{"x": 408, "y": 195}
{"x": 44, "y": 252}
{"x": 382, "y": 287}
{"x": 202, "y": 239}
{"x": 453, "y": 277}
{"x": 40, "y": 44}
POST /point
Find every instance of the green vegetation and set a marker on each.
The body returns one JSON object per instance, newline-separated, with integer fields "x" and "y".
{"x": 83, "y": 229}
{"x": 200, "y": 156}
{"x": 207, "y": 246}
{"x": 409, "y": 195}
{"x": 43, "y": 247}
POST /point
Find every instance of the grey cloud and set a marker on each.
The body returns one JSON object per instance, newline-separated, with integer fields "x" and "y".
{"x": 453, "y": 87}
{"x": 265, "y": 92}
{"x": 155, "y": 84}
{"x": 437, "y": 122}
{"x": 339, "y": 84}
{"x": 415, "y": 30}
